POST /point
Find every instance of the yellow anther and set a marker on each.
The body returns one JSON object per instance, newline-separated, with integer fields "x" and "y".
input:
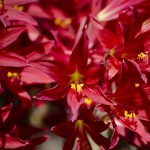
{"x": 57, "y": 21}
{"x": 136, "y": 84}
{"x": 141, "y": 55}
{"x": 62, "y": 23}
{"x": 77, "y": 87}
{"x": 9, "y": 74}
{"x": 88, "y": 101}
{"x": 129, "y": 115}
{"x": 66, "y": 23}
{"x": 15, "y": 75}
{"x": 12, "y": 75}
{"x": 19, "y": 8}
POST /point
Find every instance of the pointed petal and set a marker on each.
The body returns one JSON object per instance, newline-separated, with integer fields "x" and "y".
{"x": 55, "y": 93}
{"x": 104, "y": 36}
{"x": 114, "y": 139}
{"x": 5, "y": 112}
{"x": 12, "y": 60}
{"x": 31, "y": 75}
{"x": 73, "y": 103}
{"x": 18, "y": 2}
{"x": 98, "y": 138}
{"x": 11, "y": 142}
{"x": 78, "y": 58}
{"x": 96, "y": 94}
{"x": 64, "y": 129}
{"x": 10, "y": 35}
{"x": 21, "y": 16}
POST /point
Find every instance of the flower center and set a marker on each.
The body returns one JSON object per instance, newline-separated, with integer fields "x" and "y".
{"x": 76, "y": 77}
{"x": 76, "y": 81}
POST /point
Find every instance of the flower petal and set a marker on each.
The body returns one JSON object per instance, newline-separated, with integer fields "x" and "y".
{"x": 55, "y": 93}
{"x": 31, "y": 75}
{"x": 96, "y": 94}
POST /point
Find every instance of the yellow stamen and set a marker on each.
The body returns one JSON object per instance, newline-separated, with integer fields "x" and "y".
{"x": 136, "y": 84}
{"x": 77, "y": 87}
{"x": 9, "y": 74}
{"x": 88, "y": 101}
{"x": 12, "y": 74}
{"x": 57, "y": 21}
{"x": 141, "y": 55}
{"x": 19, "y": 8}
{"x": 66, "y": 23}
{"x": 129, "y": 115}
{"x": 62, "y": 23}
{"x": 15, "y": 75}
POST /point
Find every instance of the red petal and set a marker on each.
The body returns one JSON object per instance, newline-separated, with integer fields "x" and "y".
{"x": 18, "y": 2}
{"x": 95, "y": 94}
{"x": 11, "y": 142}
{"x": 5, "y": 112}
{"x": 104, "y": 35}
{"x": 78, "y": 58}
{"x": 114, "y": 139}
{"x": 12, "y": 60}
{"x": 98, "y": 138}
{"x": 10, "y": 35}
{"x": 31, "y": 75}
{"x": 64, "y": 129}
{"x": 21, "y": 16}
{"x": 55, "y": 93}
{"x": 73, "y": 103}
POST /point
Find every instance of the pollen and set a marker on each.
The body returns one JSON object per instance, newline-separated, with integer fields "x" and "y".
{"x": 141, "y": 55}
{"x": 88, "y": 101}
{"x": 12, "y": 74}
{"x": 77, "y": 87}
{"x": 136, "y": 84}
{"x": 129, "y": 115}
{"x": 63, "y": 23}
{"x": 19, "y": 8}
{"x": 57, "y": 21}
{"x": 66, "y": 23}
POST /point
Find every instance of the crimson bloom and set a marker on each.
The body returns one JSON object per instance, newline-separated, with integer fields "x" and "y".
{"x": 76, "y": 132}
{"x": 77, "y": 79}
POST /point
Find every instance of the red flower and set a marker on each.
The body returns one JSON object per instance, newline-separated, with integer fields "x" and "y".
{"x": 77, "y": 79}
{"x": 76, "y": 132}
